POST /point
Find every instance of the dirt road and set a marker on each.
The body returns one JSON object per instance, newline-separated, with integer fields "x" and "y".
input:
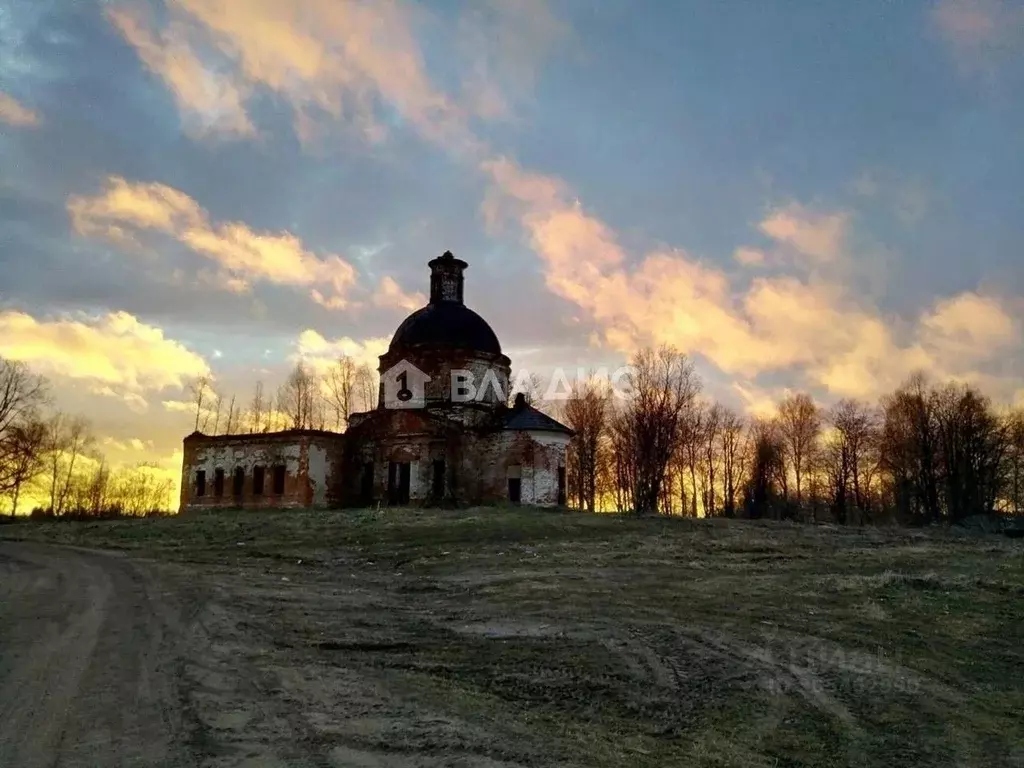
{"x": 88, "y": 663}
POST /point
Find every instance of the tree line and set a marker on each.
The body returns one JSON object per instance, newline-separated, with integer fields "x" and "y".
{"x": 53, "y": 457}
{"x": 307, "y": 399}
{"x": 927, "y": 452}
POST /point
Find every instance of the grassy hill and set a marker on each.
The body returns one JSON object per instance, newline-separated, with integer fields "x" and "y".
{"x": 505, "y": 637}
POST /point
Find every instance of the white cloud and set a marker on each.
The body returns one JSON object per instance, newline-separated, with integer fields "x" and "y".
{"x": 179, "y": 406}
{"x": 320, "y": 352}
{"x": 116, "y": 354}
{"x": 124, "y": 211}
{"x": 970, "y": 325}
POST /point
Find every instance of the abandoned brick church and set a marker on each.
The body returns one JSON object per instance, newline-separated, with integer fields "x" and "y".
{"x": 442, "y": 433}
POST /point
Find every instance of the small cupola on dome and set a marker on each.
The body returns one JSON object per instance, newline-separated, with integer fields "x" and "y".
{"x": 446, "y": 321}
{"x": 446, "y": 278}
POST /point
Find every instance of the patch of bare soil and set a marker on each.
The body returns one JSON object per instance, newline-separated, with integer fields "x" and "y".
{"x": 528, "y": 639}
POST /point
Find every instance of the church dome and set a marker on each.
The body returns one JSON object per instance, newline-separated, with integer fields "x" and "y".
{"x": 446, "y": 321}
{"x": 446, "y": 324}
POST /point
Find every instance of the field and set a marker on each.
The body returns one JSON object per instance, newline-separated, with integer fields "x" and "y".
{"x": 518, "y": 637}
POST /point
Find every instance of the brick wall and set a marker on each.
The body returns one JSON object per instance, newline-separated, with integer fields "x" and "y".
{"x": 477, "y": 466}
{"x": 535, "y": 457}
{"x": 325, "y": 469}
{"x": 311, "y": 462}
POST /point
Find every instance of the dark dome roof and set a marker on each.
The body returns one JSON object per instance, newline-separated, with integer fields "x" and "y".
{"x": 446, "y": 324}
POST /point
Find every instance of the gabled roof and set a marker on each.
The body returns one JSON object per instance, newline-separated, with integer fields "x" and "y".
{"x": 523, "y": 416}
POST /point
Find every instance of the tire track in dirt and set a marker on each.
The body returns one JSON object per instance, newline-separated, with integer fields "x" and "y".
{"x": 88, "y": 670}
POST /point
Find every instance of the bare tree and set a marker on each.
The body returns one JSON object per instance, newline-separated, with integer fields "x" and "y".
{"x": 767, "y": 469}
{"x": 299, "y": 397}
{"x": 800, "y": 426}
{"x": 215, "y": 396}
{"x": 709, "y": 459}
{"x": 664, "y": 387}
{"x": 199, "y": 390}
{"x": 56, "y": 439}
{"x": 231, "y": 427}
{"x": 278, "y": 419}
{"x": 318, "y": 412}
{"x": 97, "y": 491}
{"x": 140, "y": 490}
{"x": 910, "y": 451}
{"x": 23, "y": 458}
{"x": 846, "y": 454}
{"x": 624, "y": 464}
{"x": 22, "y": 394}
{"x": 340, "y": 383}
{"x": 366, "y": 387}
{"x": 587, "y": 413}
{"x": 972, "y": 442}
{"x": 733, "y": 457}
{"x": 1013, "y": 464}
{"x": 690, "y": 438}
{"x": 69, "y": 438}
{"x": 257, "y": 409}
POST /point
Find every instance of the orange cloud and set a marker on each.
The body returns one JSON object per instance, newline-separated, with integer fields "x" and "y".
{"x": 211, "y": 102}
{"x": 125, "y": 206}
{"x": 390, "y": 294}
{"x": 817, "y": 236}
{"x": 321, "y": 56}
{"x": 124, "y": 210}
{"x": 800, "y": 321}
{"x": 115, "y": 354}
{"x": 343, "y": 59}
{"x": 16, "y": 114}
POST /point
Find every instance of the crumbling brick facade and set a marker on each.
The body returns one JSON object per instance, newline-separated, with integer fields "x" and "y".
{"x": 424, "y": 444}
{"x": 451, "y": 462}
{"x": 296, "y": 468}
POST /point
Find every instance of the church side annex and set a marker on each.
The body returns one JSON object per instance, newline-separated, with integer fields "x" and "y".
{"x": 426, "y": 443}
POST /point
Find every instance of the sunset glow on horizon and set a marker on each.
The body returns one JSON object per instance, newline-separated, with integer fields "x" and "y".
{"x": 820, "y": 199}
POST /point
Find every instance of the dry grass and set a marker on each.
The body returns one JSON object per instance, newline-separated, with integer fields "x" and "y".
{"x": 521, "y": 637}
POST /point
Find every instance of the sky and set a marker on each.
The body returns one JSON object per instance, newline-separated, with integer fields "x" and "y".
{"x": 822, "y": 197}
